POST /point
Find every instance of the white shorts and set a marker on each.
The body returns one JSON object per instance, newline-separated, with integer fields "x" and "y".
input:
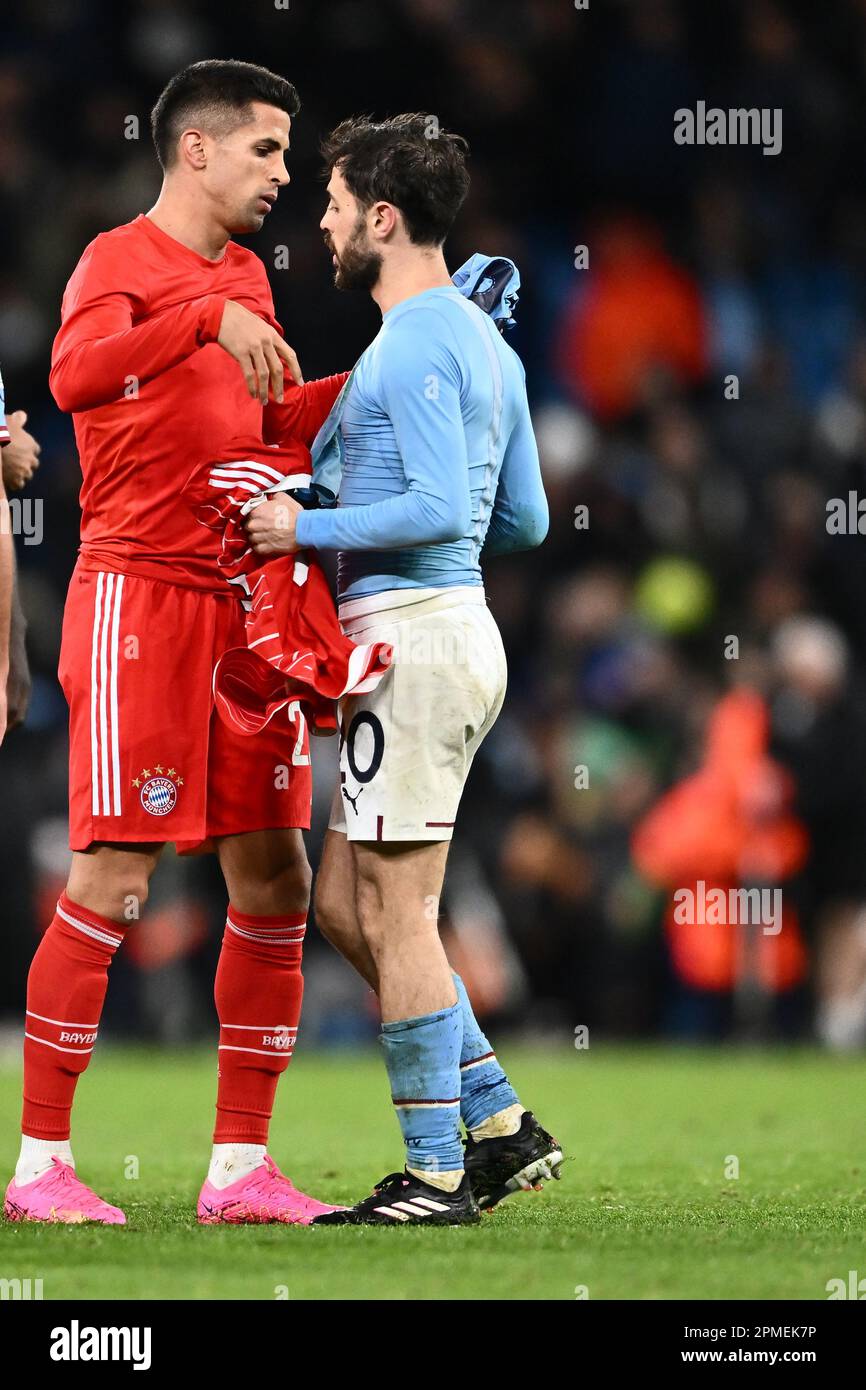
{"x": 406, "y": 747}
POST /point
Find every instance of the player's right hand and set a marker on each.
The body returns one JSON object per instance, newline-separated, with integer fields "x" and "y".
{"x": 260, "y": 351}
{"x": 21, "y": 454}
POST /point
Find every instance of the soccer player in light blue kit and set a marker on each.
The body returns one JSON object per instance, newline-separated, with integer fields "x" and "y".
{"x": 439, "y": 464}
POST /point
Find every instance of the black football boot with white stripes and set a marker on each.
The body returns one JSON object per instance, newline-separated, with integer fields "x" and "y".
{"x": 513, "y": 1163}
{"x": 401, "y": 1199}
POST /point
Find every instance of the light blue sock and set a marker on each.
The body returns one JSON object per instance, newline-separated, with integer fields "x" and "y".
{"x": 484, "y": 1087}
{"x": 423, "y": 1060}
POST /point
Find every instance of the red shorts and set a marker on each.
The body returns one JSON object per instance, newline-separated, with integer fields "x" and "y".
{"x": 149, "y": 758}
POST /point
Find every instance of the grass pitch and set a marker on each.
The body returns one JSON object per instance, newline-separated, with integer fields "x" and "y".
{"x": 645, "y": 1209}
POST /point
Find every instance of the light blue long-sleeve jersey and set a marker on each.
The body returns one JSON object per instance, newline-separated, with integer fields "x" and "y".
{"x": 440, "y": 458}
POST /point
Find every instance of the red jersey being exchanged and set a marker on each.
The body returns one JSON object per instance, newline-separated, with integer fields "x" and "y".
{"x": 136, "y": 362}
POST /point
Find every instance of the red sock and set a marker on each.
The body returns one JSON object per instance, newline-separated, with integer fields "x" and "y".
{"x": 65, "y": 993}
{"x": 258, "y": 992}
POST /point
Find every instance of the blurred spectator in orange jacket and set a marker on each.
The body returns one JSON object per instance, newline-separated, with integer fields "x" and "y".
{"x": 728, "y": 825}
{"x": 637, "y": 315}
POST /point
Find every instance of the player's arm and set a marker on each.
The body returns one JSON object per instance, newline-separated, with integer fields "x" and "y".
{"x": 7, "y": 562}
{"x": 101, "y": 350}
{"x": 20, "y": 454}
{"x": 18, "y": 681}
{"x": 421, "y": 385}
{"x": 302, "y": 411}
{"x": 520, "y": 515}
{"x": 7, "y": 573}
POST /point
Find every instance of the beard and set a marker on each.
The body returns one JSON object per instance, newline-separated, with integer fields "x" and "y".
{"x": 358, "y": 267}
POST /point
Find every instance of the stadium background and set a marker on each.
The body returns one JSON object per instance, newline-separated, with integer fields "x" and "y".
{"x": 706, "y": 510}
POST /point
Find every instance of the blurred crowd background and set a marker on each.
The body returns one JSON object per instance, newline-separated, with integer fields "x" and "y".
{"x": 687, "y": 649}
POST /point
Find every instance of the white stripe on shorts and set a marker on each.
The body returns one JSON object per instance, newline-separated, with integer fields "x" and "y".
{"x": 104, "y": 731}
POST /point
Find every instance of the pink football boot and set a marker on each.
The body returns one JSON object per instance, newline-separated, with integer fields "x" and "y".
{"x": 263, "y": 1196}
{"x": 59, "y": 1196}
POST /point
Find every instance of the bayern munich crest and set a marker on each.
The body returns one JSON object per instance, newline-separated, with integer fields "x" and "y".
{"x": 158, "y": 789}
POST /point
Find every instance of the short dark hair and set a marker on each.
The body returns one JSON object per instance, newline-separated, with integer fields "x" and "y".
{"x": 219, "y": 93}
{"x": 407, "y": 160}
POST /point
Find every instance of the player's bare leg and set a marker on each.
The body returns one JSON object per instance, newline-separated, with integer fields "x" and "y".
{"x": 396, "y": 889}
{"x": 258, "y": 992}
{"x": 841, "y": 976}
{"x": 336, "y": 914}
{"x": 266, "y": 871}
{"x": 506, "y": 1149}
{"x": 113, "y": 880}
{"x": 397, "y": 894}
{"x": 66, "y": 986}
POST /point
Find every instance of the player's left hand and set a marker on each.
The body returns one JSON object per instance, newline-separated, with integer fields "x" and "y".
{"x": 21, "y": 454}
{"x": 271, "y": 526}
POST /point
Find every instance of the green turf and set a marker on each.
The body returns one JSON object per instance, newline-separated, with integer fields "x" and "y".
{"x": 644, "y": 1211}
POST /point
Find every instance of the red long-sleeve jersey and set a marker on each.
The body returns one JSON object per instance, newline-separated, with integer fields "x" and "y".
{"x": 136, "y": 362}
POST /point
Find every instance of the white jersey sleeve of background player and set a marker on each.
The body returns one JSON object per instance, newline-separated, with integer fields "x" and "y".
{"x": 4, "y": 428}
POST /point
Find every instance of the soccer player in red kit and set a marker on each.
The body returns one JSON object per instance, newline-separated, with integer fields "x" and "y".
{"x": 168, "y": 348}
